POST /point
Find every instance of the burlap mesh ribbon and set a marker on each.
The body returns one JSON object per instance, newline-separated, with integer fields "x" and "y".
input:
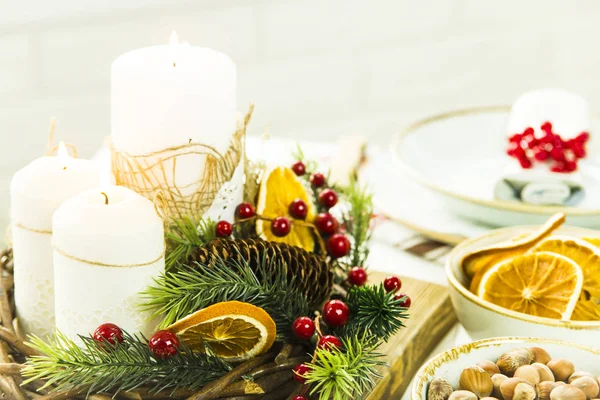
{"x": 153, "y": 174}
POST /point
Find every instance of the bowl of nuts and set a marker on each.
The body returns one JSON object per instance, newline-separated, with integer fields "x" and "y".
{"x": 511, "y": 369}
{"x": 540, "y": 281}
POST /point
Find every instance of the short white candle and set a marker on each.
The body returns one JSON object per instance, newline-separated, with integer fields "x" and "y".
{"x": 36, "y": 192}
{"x": 108, "y": 245}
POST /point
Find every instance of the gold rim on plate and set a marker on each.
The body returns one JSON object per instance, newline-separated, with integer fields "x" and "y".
{"x": 498, "y": 204}
{"x": 464, "y": 292}
{"x": 427, "y": 371}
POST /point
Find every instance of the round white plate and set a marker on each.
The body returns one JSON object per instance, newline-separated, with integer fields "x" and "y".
{"x": 401, "y": 199}
{"x": 460, "y": 156}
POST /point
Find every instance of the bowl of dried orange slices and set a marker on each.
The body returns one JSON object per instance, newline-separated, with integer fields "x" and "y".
{"x": 536, "y": 281}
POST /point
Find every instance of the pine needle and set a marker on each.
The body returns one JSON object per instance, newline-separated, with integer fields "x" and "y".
{"x": 179, "y": 293}
{"x": 98, "y": 367}
{"x": 184, "y": 235}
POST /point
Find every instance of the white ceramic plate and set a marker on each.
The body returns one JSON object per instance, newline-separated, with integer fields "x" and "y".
{"x": 460, "y": 156}
{"x": 449, "y": 365}
{"x": 405, "y": 201}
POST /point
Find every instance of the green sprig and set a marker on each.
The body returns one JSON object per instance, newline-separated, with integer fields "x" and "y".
{"x": 357, "y": 220}
{"x": 184, "y": 235}
{"x": 179, "y": 293}
{"x": 99, "y": 367}
{"x": 345, "y": 373}
{"x": 374, "y": 312}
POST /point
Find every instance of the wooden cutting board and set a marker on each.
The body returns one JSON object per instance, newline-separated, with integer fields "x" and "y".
{"x": 431, "y": 317}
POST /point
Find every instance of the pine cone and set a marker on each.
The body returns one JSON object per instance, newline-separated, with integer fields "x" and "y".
{"x": 313, "y": 274}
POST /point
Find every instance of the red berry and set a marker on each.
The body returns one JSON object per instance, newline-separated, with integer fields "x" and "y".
{"x": 299, "y": 168}
{"x": 164, "y": 344}
{"x": 392, "y": 284}
{"x": 108, "y": 332}
{"x": 318, "y": 180}
{"x": 280, "y": 226}
{"x": 303, "y": 328}
{"x": 525, "y": 162}
{"x": 357, "y": 276}
{"x": 583, "y": 137}
{"x": 338, "y": 245}
{"x": 224, "y": 229}
{"x": 328, "y": 342}
{"x": 326, "y": 224}
{"x": 403, "y": 299}
{"x": 557, "y": 154}
{"x": 528, "y": 131}
{"x": 559, "y": 167}
{"x": 328, "y": 198}
{"x": 300, "y": 397}
{"x": 570, "y": 166}
{"x": 547, "y": 127}
{"x": 540, "y": 154}
{"x": 300, "y": 371}
{"x": 516, "y": 138}
{"x": 298, "y": 209}
{"x": 515, "y": 150}
{"x": 336, "y": 313}
{"x": 245, "y": 210}
{"x": 530, "y": 141}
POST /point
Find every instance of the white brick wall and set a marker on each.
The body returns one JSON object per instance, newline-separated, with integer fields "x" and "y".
{"x": 316, "y": 69}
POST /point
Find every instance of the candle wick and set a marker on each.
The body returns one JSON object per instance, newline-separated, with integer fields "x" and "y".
{"x": 105, "y": 197}
{"x": 174, "y": 64}
{"x": 65, "y": 168}
{"x": 190, "y": 141}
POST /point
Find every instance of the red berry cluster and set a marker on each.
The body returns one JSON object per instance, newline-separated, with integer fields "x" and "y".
{"x": 393, "y": 284}
{"x": 527, "y": 148}
{"x": 163, "y": 344}
{"x": 337, "y": 244}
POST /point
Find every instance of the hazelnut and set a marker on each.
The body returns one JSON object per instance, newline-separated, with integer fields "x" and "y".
{"x": 544, "y": 372}
{"x": 567, "y": 392}
{"x": 588, "y": 385}
{"x": 462, "y": 395}
{"x": 497, "y": 379}
{"x": 561, "y": 368}
{"x": 439, "y": 389}
{"x": 528, "y": 373}
{"x": 510, "y": 361}
{"x": 488, "y": 366}
{"x": 475, "y": 379}
{"x": 508, "y": 387}
{"x": 524, "y": 391}
{"x": 544, "y": 388}
{"x": 579, "y": 374}
{"x": 539, "y": 355}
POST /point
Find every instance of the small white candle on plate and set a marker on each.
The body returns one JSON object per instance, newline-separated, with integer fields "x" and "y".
{"x": 36, "y": 192}
{"x": 108, "y": 245}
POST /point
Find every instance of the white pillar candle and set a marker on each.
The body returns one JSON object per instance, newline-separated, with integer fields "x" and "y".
{"x": 108, "y": 245}
{"x": 36, "y": 192}
{"x": 170, "y": 95}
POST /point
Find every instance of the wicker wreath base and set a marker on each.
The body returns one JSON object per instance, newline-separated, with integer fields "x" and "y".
{"x": 267, "y": 377}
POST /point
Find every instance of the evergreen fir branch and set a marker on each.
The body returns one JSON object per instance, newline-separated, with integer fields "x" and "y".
{"x": 185, "y": 234}
{"x": 101, "y": 367}
{"x": 374, "y": 312}
{"x": 357, "y": 220}
{"x": 345, "y": 373}
{"x": 179, "y": 293}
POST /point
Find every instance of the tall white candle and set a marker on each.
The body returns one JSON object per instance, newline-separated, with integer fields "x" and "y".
{"x": 164, "y": 97}
{"x": 36, "y": 192}
{"x": 108, "y": 245}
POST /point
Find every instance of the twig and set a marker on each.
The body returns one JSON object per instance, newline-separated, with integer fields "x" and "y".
{"x": 17, "y": 343}
{"x": 260, "y": 386}
{"x": 9, "y": 382}
{"x": 284, "y": 353}
{"x": 5, "y": 311}
{"x": 273, "y": 367}
{"x": 282, "y": 392}
{"x": 214, "y": 389}
{"x": 9, "y": 368}
{"x": 62, "y": 394}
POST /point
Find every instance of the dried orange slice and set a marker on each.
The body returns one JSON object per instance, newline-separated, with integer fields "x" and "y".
{"x": 587, "y": 256}
{"x": 593, "y": 241}
{"x": 476, "y": 264}
{"x": 234, "y": 330}
{"x": 543, "y": 284}
{"x": 278, "y": 189}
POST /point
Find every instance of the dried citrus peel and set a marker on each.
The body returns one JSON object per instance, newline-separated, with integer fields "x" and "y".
{"x": 476, "y": 264}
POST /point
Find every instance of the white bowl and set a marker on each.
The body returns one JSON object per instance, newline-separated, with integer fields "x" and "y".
{"x": 449, "y": 365}
{"x": 483, "y": 319}
{"x": 460, "y": 156}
